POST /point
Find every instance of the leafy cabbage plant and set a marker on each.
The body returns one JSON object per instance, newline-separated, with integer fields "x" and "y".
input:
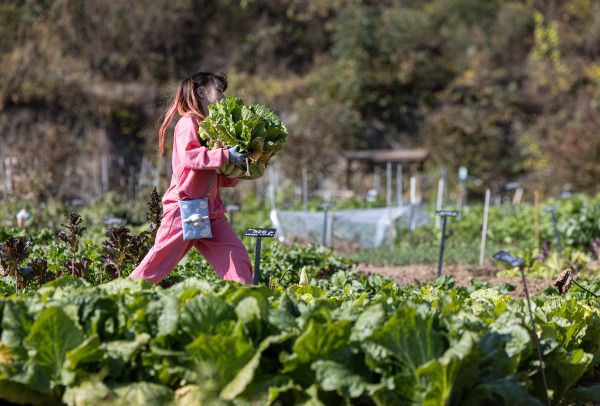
{"x": 255, "y": 128}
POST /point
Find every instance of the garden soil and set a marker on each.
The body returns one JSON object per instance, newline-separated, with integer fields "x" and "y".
{"x": 417, "y": 274}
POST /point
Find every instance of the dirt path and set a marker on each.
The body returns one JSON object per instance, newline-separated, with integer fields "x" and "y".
{"x": 416, "y": 274}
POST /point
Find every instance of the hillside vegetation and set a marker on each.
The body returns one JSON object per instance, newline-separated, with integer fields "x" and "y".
{"x": 509, "y": 89}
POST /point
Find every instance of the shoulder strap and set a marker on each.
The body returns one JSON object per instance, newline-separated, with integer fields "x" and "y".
{"x": 211, "y": 178}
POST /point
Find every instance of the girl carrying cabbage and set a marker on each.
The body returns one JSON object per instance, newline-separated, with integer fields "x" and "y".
{"x": 194, "y": 190}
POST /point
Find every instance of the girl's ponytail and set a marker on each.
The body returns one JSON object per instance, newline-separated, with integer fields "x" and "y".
{"x": 179, "y": 104}
{"x": 168, "y": 117}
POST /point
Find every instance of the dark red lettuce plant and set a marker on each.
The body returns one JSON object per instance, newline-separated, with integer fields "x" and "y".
{"x": 39, "y": 268}
{"x": 116, "y": 253}
{"x": 72, "y": 236}
{"x": 12, "y": 254}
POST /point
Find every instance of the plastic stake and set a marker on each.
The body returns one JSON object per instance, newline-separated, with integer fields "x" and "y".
{"x": 445, "y": 215}
{"x": 325, "y": 206}
{"x": 514, "y": 261}
{"x": 556, "y": 233}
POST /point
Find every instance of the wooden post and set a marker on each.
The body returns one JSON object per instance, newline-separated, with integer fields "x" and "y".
{"x": 8, "y": 172}
{"x": 413, "y": 202}
{"x": 536, "y": 204}
{"x": 484, "y": 228}
{"x": 272, "y": 187}
{"x": 305, "y": 189}
{"x": 104, "y": 166}
{"x": 399, "y": 185}
{"x": 440, "y": 197}
{"x": 388, "y": 199}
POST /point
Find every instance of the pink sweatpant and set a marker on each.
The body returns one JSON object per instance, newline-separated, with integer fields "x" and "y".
{"x": 225, "y": 252}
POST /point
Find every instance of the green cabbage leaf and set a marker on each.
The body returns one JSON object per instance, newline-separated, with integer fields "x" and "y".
{"x": 255, "y": 128}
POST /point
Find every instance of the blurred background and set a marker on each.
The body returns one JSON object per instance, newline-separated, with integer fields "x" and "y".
{"x": 508, "y": 90}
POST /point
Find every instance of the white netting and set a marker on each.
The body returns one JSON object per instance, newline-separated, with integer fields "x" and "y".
{"x": 368, "y": 228}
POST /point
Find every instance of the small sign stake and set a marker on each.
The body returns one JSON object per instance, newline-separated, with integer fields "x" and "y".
{"x": 556, "y": 233}
{"x": 258, "y": 233}
{"x": 509, "y": 259}
{"x": 325, "y": 206}
{"x": 445, "y": 214}
{"x": 517, "y": 262}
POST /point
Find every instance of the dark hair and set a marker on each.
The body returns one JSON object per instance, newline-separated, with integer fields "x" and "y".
{"x": 201, "y": 79}
{"x": 185, "y": 101}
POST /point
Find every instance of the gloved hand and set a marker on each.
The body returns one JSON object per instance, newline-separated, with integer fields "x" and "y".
{"x": 237, "y": 158}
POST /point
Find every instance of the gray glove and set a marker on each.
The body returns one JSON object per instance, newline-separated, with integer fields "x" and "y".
{"x": 238, "y": 158}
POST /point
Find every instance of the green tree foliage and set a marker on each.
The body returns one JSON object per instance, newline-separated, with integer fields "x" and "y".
{"x": 505, "y": 87}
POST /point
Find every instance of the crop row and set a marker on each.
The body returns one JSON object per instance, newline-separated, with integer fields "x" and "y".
{"x": 367, "y": 341}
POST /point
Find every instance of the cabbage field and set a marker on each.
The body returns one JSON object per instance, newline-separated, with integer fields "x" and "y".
{"x": 76, "y": 331}
{"x": 362, "y": 341}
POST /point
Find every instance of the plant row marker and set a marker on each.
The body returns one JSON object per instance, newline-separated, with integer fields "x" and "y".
{"x": 388, "y": 200}
{"x": 484, "y": 228}
{"x": 231, "y": 208}
{"x": 413, "y": 202}
{"x": 258, "y": 233}
{"x": 536, "y": 203}
{"x": 556, "y": 233}
{"x": 517, "y": 262}
{"x": 399, "y": 186}
{"x": 325, "y": 207}
{"x": 440, "y": 196}
{"x": 445, "y": 215}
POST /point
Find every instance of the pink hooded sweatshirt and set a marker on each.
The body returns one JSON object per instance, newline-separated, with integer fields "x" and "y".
{"x": 192, "y": 168}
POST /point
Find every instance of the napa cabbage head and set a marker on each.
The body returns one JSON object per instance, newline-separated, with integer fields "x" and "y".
{"x": 255, "y": 128}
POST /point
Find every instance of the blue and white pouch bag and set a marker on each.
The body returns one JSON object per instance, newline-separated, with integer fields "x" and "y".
{"x": 195, "y": 220}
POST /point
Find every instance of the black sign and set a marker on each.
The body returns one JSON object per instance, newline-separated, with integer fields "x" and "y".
{"x": 326, "y": 205}
{"x": 446, "y": 213}
{"x": 509, "y": 259}
{"x": 260, "y": 232}
{"x": 552, "y": 208}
